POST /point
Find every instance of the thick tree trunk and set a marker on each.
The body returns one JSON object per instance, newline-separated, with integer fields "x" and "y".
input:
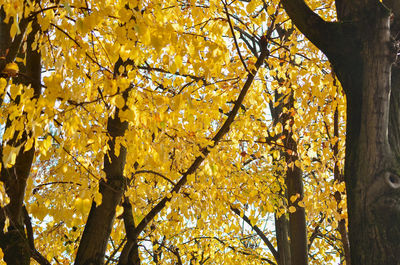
{"x": 372, "y": 173}
{"x": 101, "y": 217}
{"x": 359, "y": 51}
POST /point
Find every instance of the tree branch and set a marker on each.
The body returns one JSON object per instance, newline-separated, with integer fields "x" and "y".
{"x": 29, "y": 231}
{"x": 228, "y": 16}
{"x": 259, "y": 233}
{"x": 154, "y": 173}
{"x": 205, "y": 151}
{"x": 393, "y": 5}
{"x": 316, "y": 232}
{"x": 321, "y": 33}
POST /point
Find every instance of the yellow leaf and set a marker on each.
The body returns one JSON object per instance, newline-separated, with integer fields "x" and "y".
{"x": 47, "y": 143}
{"x": 6, "y": 225}
{"x": 178, "y": 61}
{"x": 86, "y": 204}
{"x": 251, "y": 6}
{"x": 191, "y": 178}
{"x": 119, "y": 210}
{"x": 14, "y": 29}
{"x": 341, "y": 187}
{"x": 10, "y": 154}
{"x": 15, "y": 90}
{"x": 293, "y": 198}
{"x": 119, "y": 101}
{"x": 292, "y": 209}
{"x": 3, "y": 84}
{"x": 276, "y": 154}
{"x": 29, "y": 144}
{"x": 78, "y": 204}
{"x": 278, "y": 128}
{"x": 11, "y": 69}
{"x": 98, "y": 198}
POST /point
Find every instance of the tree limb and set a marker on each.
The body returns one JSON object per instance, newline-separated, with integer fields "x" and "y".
{"x": 29, "y": 231}
{"x": 234, "y": 36}
{"x": 321, "y": 33}
{"x": 205, "y": 151}
{"x": 393, "y": 5}
{"x": 259, "y": 233}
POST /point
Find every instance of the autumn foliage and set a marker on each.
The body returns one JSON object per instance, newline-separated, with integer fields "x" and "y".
{"x": 164, "y": 132}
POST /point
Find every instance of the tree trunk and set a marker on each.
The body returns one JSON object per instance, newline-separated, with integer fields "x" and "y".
{"x": 372, "y": 174}
{"x": 14, "y": 242}
{"x": 97, "y": 231}
{"x": 130, "y": 252}
{"x": 101, "y": 217}
{"x": 359, "y": 52}
{"x": 282, "y": 238}
{"x": 297, "y": 219}
{"x": 294, "y": 187}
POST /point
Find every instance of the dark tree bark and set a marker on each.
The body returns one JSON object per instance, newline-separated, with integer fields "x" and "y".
{"x": 282, "y": 239}
{"x": 101, "y": 217}
{"x": 295, "y": 250}
{"x": 15, "y": 242}
{"x": 291, "y": 233}
{"x": 358, "y": 46}
{"x": 130, "y": 252}
{"x": 294, "y": 184}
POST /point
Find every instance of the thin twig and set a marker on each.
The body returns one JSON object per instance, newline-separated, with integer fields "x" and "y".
{"x": 234, "y": 37}
{"x": 205, "y": 151}
{"x": 259, "y": 233}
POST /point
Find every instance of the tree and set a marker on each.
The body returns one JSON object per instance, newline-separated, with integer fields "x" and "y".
{"x": 138, "y": 132}
{"x": 362, "y": 47}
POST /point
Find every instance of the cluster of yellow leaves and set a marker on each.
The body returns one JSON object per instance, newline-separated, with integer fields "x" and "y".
{"x": 183, "y": 76}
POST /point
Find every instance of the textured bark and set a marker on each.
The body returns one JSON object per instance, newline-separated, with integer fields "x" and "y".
{"x": 362, "y": 60}
{"x": 101, "y": 217}
{"x": 14, "y": 242}
{"x": 297, "y": 219}
{"x": 394, "y": 115}
{"x": 282, "y": 238}
{"x": 371, "y": 170}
